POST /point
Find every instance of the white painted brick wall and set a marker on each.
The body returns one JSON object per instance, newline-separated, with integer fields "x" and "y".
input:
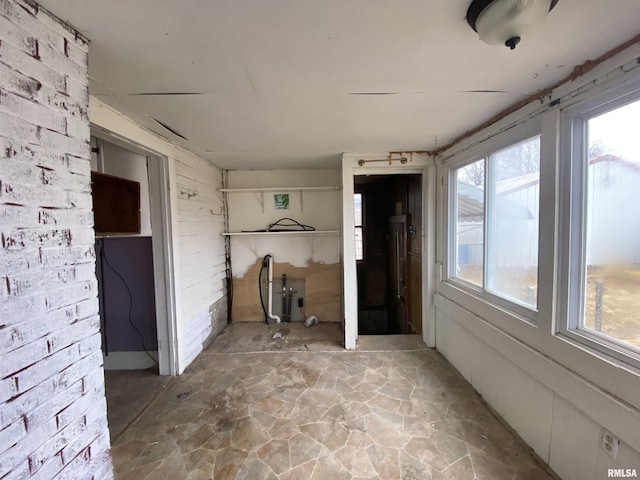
{"x": 52, "y": 406}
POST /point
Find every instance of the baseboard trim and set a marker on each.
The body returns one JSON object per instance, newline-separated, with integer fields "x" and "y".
{"x": 129, "y": 360}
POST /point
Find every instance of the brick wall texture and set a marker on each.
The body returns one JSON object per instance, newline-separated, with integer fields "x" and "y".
{"x": 52, "y": 405}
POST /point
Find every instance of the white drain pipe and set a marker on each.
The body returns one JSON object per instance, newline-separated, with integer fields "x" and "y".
{"x": 270, "y": 290}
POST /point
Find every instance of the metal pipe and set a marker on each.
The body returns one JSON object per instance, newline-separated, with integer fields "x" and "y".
{"x": 402, "y": 160}
{"x": 270, "y": 294}
{"x": 289, "y": 303}
{"x": 284, "y": 305}
{"x": 284, "y": 298}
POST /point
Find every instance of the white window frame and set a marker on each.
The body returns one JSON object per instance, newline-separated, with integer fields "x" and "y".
{"x": 483, "y": 151}
{"x": 361, "y": 226}
{"x": 572, "y": 229}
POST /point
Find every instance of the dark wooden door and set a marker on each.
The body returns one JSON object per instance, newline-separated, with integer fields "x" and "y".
{"x": 397, "y": 241}
{"x": 414, "y": 254}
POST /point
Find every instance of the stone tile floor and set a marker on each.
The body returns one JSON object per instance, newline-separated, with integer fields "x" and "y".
{"x": 326, "y": 415}
{"x": 128, "y": 393}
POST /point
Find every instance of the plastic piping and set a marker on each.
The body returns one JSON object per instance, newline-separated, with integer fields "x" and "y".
{"x": 270, "y": 294}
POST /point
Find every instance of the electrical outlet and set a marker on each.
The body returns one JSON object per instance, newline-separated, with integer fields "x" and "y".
{"x": 609, "y": 443}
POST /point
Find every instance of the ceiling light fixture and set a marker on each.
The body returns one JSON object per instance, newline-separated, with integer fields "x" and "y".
{"x": 504, "y": 22}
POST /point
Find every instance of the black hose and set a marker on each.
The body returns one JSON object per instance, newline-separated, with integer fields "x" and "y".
{"x": 229, "y": 282}
{"x": 262, "y": 267}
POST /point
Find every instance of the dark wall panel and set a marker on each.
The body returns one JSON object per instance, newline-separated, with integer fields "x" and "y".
{"x": 132, "y": 259}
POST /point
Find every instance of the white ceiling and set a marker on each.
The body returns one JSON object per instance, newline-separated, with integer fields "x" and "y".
{"x": 294, "y": 83}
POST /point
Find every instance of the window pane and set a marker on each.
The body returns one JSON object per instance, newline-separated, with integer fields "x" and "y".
{"x": 611, "y": 292}
{"x": 469, "y": 217}
{"x": 359, "y": 244}
{"x": 357, "y": 209}
{"x": 513, "y": 193}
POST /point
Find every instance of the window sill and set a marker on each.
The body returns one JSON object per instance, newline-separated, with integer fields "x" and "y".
{"x": 479, "y": 297}
{"x": 605, "y": 349}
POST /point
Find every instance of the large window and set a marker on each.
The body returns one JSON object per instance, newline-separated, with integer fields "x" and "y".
{"x": 604, "y": 252}
{"x": 496, "y": 223}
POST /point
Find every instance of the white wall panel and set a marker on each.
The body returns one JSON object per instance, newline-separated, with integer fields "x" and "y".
{"x": 574, "y": 442}
{"x": 202, "y": 252}
{"x": 454, "y": 342}
{"x": 559, "y": 432}
{"x": 489, "y": 374}
{"x": 528, "y": 407}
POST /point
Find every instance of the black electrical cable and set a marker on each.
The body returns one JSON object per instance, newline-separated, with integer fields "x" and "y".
{"x": 282, "y": 227}
{"x": 262, "y": 267}
{"x": 299, "y": 226}
{"x": 229, "y": 282}
{"x": 126, "y": 286}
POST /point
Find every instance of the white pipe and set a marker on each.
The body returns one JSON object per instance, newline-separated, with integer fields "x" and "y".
{"x": 270, "y": 290}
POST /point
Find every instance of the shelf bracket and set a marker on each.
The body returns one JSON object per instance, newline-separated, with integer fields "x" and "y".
{"x": 301, "y": 196}
{"x": 262, "y": 201}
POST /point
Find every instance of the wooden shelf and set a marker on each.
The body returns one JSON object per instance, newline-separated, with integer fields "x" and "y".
{"x": 302, "y": 233}
{"x": 281, "y": 189}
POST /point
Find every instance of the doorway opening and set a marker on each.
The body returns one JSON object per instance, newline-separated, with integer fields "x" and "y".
{"x": 132, "y": 264}
{"x": 388, "y": 223}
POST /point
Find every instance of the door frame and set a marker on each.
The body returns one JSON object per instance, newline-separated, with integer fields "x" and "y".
{"x": 421, "y": 164}
{"x": 162, "y": 246}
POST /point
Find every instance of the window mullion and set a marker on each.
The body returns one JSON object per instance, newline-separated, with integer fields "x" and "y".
{"x": 489, "y": 219}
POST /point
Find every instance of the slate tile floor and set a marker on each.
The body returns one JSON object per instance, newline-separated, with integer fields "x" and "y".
{"x": 122, "y": 406}
{"x": 326, "y": 415}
